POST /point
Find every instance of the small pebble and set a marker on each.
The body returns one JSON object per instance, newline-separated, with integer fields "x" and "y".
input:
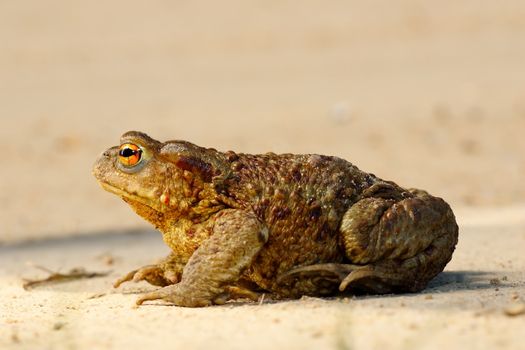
{"x": 58, "y": 326}
{"x": 515, "y": 309}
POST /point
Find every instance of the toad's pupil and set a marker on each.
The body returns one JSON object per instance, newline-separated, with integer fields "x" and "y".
{"x": 128, "y": 152}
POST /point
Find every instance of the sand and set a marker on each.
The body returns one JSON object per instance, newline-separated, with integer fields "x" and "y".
{"x": 464, "y": 307}
{"x": 428, "y": 95}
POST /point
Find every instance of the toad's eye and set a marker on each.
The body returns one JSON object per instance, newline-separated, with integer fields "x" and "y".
{"x": 129, "y": 154}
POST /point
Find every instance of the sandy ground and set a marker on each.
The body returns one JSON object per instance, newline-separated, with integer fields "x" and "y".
{"x": 464, "y": 307}
{"x": 428, "y": 94}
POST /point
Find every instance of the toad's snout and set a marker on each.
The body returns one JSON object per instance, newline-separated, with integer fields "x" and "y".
{"x": 104, "y": 163}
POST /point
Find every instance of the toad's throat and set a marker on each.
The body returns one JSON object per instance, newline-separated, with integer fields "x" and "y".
{"x": 130, "y": 197}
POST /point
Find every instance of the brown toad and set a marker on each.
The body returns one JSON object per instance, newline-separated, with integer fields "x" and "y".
{"x": 287, "y": 225}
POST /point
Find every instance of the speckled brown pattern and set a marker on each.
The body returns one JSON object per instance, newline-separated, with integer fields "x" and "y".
{"x": 287, "y": 225}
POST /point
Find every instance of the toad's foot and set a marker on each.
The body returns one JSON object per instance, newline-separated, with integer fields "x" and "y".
{"x": 329, "y": 272}
{"x": 150, "y": 273}
{"x": 318, "y": 279}
{"x": 165, "y": 273}
{"x": 371, "y": 278}
{"x": 178, "y": 294}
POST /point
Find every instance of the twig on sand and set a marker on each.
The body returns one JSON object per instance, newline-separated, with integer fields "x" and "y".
{"x": 57, "y": 277}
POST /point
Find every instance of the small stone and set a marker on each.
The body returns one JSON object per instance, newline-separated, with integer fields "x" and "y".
{"x": 515, "y": 309}
{"x": 58, "y": 326}
{"x": 340, "y": 112}
{"x": 15, "y": 338}
{"x": 108, "y": 259}
{"x": 317, "y": 334}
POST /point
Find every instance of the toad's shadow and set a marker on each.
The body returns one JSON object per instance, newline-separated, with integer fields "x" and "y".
{"x": 449, "y": 281}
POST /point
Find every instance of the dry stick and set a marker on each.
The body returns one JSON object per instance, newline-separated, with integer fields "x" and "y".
{"x": 57, "y": 277}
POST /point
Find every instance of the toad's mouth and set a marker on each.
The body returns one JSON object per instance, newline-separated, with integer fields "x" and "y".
{"x": 129, "y": 197}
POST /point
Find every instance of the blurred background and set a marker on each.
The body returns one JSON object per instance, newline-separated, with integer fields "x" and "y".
{"x": 428, "y": 94}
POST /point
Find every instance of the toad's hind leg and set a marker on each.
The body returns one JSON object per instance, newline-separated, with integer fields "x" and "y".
{"x": 394, "y": 240}
{"x": 400, "y": 244}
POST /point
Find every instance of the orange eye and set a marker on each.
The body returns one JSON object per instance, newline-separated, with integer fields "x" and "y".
{"x": 129, "y": 154}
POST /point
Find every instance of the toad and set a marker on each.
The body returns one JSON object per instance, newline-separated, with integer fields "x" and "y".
{"x": 286, "y": 225}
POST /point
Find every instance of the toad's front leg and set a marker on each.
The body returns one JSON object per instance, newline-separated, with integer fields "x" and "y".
{"x": 217, "y": 264}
